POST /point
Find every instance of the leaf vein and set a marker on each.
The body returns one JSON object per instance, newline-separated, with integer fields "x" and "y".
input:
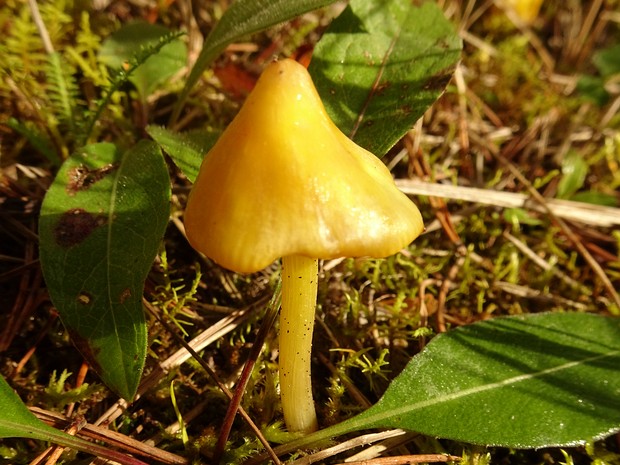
{"x": 378, "y": 417}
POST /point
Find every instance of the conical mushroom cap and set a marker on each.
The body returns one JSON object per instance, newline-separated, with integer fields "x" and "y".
{"x": 283, "y": 180}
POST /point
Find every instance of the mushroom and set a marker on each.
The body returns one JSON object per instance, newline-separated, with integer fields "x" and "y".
{"x": 284, "y": 181}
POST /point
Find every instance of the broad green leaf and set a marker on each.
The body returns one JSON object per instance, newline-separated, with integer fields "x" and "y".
{"x": 529, "y": 381}
{"x": 574, "y": 172}
{"x": 17, "y": 421}
{"x": 242, "y": 18}
{"x": 380, "y": 66}
{"x": 526, "y": 381}
{"x": 186, "y": 149}
{"x": 100, "y": 227}
{"x": 132, "y": 39}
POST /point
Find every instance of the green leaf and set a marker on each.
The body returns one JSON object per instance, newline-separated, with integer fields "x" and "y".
{"x": 242, "y": 18}
{"x": 607, "y": 61}
{"x": 57, "y": 395}
{"x": 379, "y": 68}
{"x": 186, "y": 149}
{"x": 517, "y": 216}
{"x": 130, "y": 40}
{"x": 574, "y": 172}
{"x": 525, "y": 381}
{"x": 593, "y": 88}
{"x": 62, "y": 92}
{"x": 596, "y": 198}
{"x": 39, "y": 140}
{"x": 17, "y": 421}
{"x": 101, "y": 224}
{"x": 123, "y": 75}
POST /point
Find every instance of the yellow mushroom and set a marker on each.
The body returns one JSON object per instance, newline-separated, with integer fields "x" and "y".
{"x": 284, "y": 181}
{"x": 526, "y": 10}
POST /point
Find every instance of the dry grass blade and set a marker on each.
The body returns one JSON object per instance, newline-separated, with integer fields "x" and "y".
{"x": 407, "y": 459}
{"x": 595, "y": 215}
{"x": 111, "y": 438}
{"x": 344, "y": 446}
{"x": 36, "y": 16}
{"x": 388, "y": 447}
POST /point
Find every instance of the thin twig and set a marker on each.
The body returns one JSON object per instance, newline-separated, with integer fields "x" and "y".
{"x": 594, "y": 265}
{"x": 407, "y": 459}
{"x": 235, "y": 403}
{"x": 424, "y": 313}
{"x": 539, "y": 261}
{"x": 111, "y": 438}
{"x": 423, "y": 169}
{"x": 582, "y": 45}
{"x": 445, "y": 287}
{"x": 38, "y": 21}
{"x": 57, "y": 450}
{"x": 529, "y": 293}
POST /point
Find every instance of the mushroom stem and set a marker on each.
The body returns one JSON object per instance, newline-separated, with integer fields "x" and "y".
{"x": 299, "y": 290}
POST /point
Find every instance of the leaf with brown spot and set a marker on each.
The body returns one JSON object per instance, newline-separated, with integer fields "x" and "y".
{"x": 126, "y": 294}
{"x": 379, "y": 68}
{"x": 75, "y": 225}
{"x": 101, "y": 224}
{"x": 82, "y": 177}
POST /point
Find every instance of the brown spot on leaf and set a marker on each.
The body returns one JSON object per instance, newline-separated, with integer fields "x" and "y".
{"x": 442, "y": 43}
{"x": 382, "y": 87}
{"x": 405, "y": 110}
{"x": 369, "y": 59}
{"x": 88, "y": 352}
{"x": 82, "y": 177}
{"x": 126, "y": 294}
{"x": 84, "y": 298}
{"x": 440, "y": 80}
{"x": 75, "y": 226}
